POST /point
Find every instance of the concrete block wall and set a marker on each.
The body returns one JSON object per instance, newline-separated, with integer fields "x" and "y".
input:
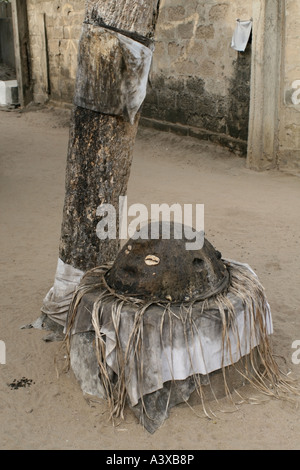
{"x": 200, "y": 85}
{"x": 54, "y": 28}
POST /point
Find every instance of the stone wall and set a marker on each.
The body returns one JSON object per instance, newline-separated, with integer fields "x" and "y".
{"x": 54, "y": 28}
{"x": 289, "y": 115}
{"x": 200, "y": 85}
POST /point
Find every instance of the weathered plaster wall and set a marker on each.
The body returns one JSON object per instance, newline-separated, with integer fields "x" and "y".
{"x": 197, "y": 79}
{"x": 54, "y": 27}
{"x": 289, "y": 116}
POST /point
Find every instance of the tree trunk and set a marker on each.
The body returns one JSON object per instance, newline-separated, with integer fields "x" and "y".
{"x": 104, "y": 121}
{"x": 98, "y": 167}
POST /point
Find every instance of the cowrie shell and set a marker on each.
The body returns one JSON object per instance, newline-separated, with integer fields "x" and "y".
{"x": 152, "y": 260}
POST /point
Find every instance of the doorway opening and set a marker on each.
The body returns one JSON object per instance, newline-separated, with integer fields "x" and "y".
{"x": 7, "y": 52}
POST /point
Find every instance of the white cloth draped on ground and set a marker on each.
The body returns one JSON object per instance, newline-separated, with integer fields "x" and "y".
{"x": 142, "y": 346}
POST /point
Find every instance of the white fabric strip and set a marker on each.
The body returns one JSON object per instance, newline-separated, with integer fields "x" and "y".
{"x": 56, "y": 302}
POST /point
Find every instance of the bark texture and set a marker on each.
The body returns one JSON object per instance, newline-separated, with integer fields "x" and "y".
{"x": 136, "y": 16}
{"x": 98, "y": 167}
{"x": 112, "y": 72}
{"x": 100, "y": 147}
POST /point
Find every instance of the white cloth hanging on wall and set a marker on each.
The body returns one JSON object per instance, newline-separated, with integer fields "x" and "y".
{"x": 241, "y": 35}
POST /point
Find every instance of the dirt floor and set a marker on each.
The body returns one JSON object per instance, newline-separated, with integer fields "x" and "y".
{"x": 250, "y": 217}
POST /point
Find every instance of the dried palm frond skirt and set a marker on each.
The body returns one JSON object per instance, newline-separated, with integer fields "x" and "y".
{"x": 153, "y": 355}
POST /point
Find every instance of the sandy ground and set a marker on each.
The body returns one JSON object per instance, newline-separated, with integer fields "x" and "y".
{"x": 249, "y": 216}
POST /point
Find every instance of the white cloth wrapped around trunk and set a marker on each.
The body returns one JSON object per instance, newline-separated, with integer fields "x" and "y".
{"x": 57, "y": 301}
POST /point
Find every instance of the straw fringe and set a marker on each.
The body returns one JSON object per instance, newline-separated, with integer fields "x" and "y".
{"x": 262, "y": 371}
